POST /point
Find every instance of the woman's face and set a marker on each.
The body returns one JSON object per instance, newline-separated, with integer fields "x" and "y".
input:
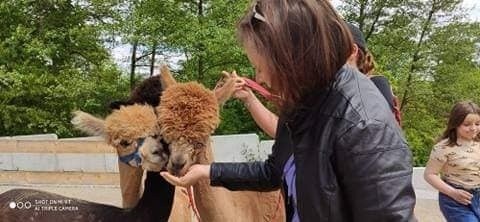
{"x": 469, "y": 127}
{"x": 262, "y": 73}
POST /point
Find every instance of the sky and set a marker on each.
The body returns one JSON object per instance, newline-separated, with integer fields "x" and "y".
{"x": 475, "y": 5}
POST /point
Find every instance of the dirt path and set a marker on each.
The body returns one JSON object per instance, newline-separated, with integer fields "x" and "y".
{"x": 426, "y": 209}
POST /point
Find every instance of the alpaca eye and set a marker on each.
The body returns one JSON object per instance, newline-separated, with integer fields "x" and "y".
{"x": 124, "y": 143}
{"x": 198, "y": 146}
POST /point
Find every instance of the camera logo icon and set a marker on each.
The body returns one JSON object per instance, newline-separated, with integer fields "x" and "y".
{"x": 20, "y": 205}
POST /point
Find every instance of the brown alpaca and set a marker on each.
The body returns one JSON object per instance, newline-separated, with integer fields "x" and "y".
{"x": 129, "y": 129}
{"x": 133, "y": 130}
{"x": 148, "y": 92}
{"x": 188, "y": 115}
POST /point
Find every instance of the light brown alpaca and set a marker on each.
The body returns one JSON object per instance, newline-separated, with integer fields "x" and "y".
{"x": 134, "y": 132}
{"x": 188, "y": 115}
{"x": 130, "y": 128}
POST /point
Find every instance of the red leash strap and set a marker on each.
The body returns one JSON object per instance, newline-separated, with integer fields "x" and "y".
{"x": 191, "y": 199}
{"x": 258, "y": 88}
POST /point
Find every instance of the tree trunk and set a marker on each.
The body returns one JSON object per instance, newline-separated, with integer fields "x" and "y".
{"x": 201, "y": 46}
{"x": 133, "y": 64}
{"x": 416, "y": 56}
{"x": 374, "y": 23}
{"x": 361, "y": 14}
{"x": 152, "y": 63}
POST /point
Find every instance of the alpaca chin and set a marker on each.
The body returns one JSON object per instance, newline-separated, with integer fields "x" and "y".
{"x": 155, "y": 167}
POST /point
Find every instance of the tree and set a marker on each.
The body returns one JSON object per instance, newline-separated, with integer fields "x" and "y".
{"x": 428, "y": 50}
{"x": 52, "y": 61}
{"x": 204, "y": 33}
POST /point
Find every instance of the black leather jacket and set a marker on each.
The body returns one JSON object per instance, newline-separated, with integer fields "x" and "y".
{"x": 352, "y": 162}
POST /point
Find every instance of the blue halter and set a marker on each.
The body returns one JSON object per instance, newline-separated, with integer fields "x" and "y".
{"x": 134, "y": 159}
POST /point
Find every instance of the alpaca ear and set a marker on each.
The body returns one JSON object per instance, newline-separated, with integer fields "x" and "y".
{"x": 166, "y": 77}
{"x": 88, "y": 124}
{"x": 225, "y": 87}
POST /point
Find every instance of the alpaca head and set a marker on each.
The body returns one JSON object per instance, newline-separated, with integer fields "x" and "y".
{"x": 187, "y": 116}
{"x": 132, "y": 127}
{"x": 133, "y": 131}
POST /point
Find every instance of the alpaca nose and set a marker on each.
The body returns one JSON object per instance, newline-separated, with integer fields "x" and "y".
{"x": 178, "y": 165}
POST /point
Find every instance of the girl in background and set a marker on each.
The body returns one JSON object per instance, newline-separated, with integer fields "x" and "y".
{"x": 456, "y": 157}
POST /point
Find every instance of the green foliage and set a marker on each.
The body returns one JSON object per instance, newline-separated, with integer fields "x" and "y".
{"x": 235, "y": 120}
{"x": 52, "y": 62}
{"x": 429, "y": 52}
{"x": 53, "y": 57}
{"x": 42, "y": 103}
{"x": 204, "y": 32}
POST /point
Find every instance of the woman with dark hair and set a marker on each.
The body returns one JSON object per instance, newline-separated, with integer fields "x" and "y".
{"x": 338, "y": 154}
{"x": 456, "y": 156}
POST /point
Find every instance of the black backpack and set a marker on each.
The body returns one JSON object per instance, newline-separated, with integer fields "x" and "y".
{"x": 382, "y": 84}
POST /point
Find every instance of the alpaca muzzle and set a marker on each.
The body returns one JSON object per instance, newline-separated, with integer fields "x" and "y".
{"x": 134, "y": 159}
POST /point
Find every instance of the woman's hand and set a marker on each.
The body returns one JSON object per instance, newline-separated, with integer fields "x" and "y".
{"x": 196, "y": 173}
{"x": 461, "y": 196}
{"x": 226, "y": 87}
{"x": 244, "y": 94}
{"x": 431, "y": 175}
{"x": 242, "y": 91}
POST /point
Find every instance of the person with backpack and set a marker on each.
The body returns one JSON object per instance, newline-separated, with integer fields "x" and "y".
{"x": 363, "y": 60}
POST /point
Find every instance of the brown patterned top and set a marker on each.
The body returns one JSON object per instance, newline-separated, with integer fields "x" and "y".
{"x": 459, "y": 165}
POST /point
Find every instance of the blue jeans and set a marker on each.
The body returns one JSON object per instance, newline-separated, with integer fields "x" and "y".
{"x": 457, "y": 212}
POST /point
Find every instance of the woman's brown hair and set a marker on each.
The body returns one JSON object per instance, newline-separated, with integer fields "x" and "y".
{"x": 459, "y": 111}
{"x": 304, "y": 42}
{"x": 365, "y": 62}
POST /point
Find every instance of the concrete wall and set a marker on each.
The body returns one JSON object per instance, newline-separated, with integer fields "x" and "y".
{"x": 21, "y": 157}
{"x": 31, "y": 137}
{"x": 91, "y": 154}
{"x": 57, "y": 155}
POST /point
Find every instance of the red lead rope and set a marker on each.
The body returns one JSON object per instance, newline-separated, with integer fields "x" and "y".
{"x": 257, "y": 87}
{"x": 191, "y": 200}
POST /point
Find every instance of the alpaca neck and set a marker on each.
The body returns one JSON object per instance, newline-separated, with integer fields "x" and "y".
{"x": 130, "y": 183}
{"x": 212, "y": 203}
{"x": 154, "y": 205}
{"x": 157, "y": 200}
